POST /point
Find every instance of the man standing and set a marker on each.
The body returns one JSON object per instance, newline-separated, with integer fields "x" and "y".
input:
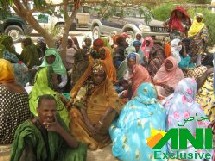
{"x": 45, "y": 138}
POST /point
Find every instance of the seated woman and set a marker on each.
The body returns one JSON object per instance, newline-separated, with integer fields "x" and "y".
{"x": 136, "y": 74}
{"x": 138, "y": 117}
{"x": 186, "y": 61}
{"x": 14, "y": 108}
{"x": 168, "y": 77}
{"x": 184, "y": 112}
{"x": 94, "y": 106}
{"x": 7, "y": 43}
{"x": 53, "y": 59}
{"x": 123, "y": 71}
{"x": 45, "y": 83}
{"x": 138, "y": 50}
{"x": 29, "y": 54}
{"x": 21, "y": 71}
{"x": 156, "y": 59}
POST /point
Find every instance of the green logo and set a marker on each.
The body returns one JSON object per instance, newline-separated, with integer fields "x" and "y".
{"x": 179, "y": 138}
{"x": 203, "y": 140}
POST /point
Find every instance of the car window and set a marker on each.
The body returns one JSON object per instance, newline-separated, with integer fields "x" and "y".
{"x": 43, "y": 18}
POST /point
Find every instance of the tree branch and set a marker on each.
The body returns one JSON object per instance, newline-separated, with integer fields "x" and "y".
{"x": 27, "y": 15}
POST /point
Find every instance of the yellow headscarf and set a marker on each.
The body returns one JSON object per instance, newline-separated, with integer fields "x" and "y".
{"x": 196, "y": 26}
{"x": 6, "y": 71}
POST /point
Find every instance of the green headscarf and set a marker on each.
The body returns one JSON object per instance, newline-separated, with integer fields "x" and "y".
{"x": 42, "y": 86}
{"x": 57, "y": 65}
{"x": 106, "y": 42}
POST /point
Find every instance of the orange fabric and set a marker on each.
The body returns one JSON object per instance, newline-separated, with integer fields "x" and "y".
{"x": 97, "y": 103}
{"x": 83, "y": 78}
{"x": 6, "y": 71}
{"x": 80, "y": 131}
{"x": 108, "y": 61}
{"x": 170, "y": 78}
{"x": 167, "y": 49}
{"x": 104, "y": 94}
{"x": 140, "y": 75}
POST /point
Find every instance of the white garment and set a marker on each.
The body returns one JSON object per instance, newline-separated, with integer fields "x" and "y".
{"x": 63, "y": 82}
{"x": 175, "y": 48}
{"x": 70, "y": 58}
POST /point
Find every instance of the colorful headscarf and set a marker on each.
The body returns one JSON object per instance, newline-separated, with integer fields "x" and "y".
{"x": 57, "y": 65}
{"x": 124, "y": 35}
{"x": 122, "y": 71}
{"x": 133, "y": 127}
{"x": 6, "y": 71}
{"x": 136, "y": 43}
{"x": 98, "y": 42}
{"x": 132, "y": 56}
{"x": 196, "y": 27}
{"x": 199, "y": 15}
{"x": 108, "y": 61}
{"x": 181, "y": 106}
{"x": 170, "y": 78}
{"x": 139, "y": 75}
{"x": 174, "y": 22}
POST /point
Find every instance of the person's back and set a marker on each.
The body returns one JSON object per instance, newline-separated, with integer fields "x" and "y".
{"x": 14, "y": 103}
{"x": 130, "y": 132}
{"x": 29, "y": 54}
{"x": 14, "y": 108}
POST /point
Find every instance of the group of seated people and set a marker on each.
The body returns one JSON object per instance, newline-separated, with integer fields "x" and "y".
{"x": 118, "y": 93}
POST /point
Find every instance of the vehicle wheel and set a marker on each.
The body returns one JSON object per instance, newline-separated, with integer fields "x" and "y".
{"x": 15, "y": 32}
{"x": 96, "y": 32}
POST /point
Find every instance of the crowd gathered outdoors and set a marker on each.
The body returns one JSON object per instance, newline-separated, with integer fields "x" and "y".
{"x": 107, "y": 91}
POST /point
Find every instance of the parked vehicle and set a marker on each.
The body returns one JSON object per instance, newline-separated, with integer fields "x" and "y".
{"x": 127, "y": 20}
{"x": 51, "y": 21}
{"x": 12, "y": 25}
{"x": 83, "y": 18}
{"x": 55, "y": 19}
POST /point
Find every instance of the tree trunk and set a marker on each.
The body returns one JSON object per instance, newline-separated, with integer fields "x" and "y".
{"x": 26, "y": 14}
{"x": 68, "y": 22}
